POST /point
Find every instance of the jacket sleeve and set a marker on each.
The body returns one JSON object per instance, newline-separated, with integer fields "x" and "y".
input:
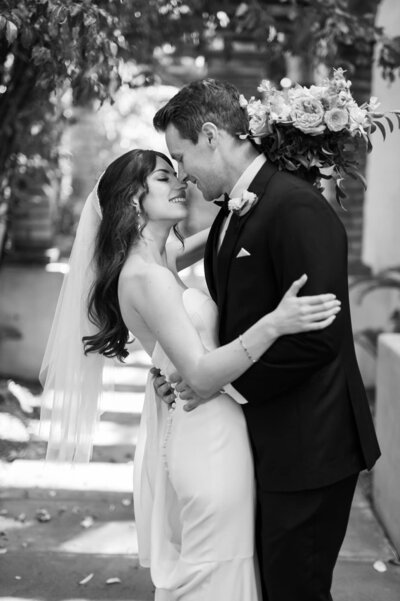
{"x": 306, "y": 236}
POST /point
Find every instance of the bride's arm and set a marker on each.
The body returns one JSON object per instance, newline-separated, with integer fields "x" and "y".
{"x": 180, "y": 257}
{"x": 157, "y": 297}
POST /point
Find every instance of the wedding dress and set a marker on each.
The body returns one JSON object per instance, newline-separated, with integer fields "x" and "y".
{"x": 194, "y": 487}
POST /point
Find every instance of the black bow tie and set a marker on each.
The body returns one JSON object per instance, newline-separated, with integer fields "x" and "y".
{"x": 223, "y": 204}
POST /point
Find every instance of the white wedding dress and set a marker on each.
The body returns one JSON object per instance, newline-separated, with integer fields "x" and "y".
{"x": 194, "y": 487}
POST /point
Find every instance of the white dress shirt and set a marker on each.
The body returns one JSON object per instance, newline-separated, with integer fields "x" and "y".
{"x": 241, "y": 185}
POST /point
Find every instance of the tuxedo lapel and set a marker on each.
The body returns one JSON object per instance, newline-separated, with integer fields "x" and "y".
{"x": 210, "y": 255}
{"x": 225, "y": 256}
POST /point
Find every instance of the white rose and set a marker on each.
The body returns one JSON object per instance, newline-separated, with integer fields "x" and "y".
{"x": 308, "y": 114}
{"x": 336, "y": 119}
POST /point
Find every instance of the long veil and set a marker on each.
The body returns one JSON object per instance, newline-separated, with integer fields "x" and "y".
{"x": 72, "y": 381}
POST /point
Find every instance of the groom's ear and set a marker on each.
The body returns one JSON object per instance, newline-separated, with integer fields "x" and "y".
{"x": 210, "y": 131}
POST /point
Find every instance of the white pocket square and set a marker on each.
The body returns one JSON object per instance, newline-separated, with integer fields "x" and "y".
{"x": 243, "y": 253}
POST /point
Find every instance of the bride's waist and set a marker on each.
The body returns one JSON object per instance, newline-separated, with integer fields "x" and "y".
{"x": 219, "y": 403}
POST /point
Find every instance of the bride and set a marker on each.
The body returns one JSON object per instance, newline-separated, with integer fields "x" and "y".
{"x": 193, "y": 481}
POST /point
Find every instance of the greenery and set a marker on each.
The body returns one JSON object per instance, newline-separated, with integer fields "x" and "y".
{"x": 46, "y": 49}
{"x": 323, "y": 30}
{"x": 56, "y": 53}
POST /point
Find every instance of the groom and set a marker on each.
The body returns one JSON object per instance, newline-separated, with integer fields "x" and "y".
{"x": 307, "y": 414}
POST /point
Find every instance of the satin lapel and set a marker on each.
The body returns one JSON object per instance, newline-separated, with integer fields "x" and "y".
{"x": 210, "y": 255}
{"x": 230, "y": 243}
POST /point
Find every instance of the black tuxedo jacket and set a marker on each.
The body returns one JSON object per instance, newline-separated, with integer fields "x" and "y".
{"x": 307, "y": 412}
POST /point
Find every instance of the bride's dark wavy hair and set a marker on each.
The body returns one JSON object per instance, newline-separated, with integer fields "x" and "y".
{"x": 124, "y": 179}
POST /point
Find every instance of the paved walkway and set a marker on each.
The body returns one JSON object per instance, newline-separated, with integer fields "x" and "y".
{"x": 67, "y": 533}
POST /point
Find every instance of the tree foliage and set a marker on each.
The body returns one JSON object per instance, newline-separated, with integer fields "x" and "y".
{"x": 49, "y": 48}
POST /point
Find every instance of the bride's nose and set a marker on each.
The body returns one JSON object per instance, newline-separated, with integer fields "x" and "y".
{"x": 181, "y": 185}
{"x": 182, "y": 175}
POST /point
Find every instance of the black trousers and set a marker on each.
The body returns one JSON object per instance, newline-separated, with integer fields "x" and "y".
{"x": 298, "y": 537}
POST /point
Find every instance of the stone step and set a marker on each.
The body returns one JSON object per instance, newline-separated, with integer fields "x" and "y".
{"x": 128, "y": 378}
{"x": 116, "y": 433}
{"x": 107, "y": 432}
{"x": 122, "y": 402}
{"x": 115, "y": 437}
{"x": 30, "y": 479}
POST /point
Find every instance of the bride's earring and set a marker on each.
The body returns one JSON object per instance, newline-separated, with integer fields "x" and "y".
{"x": 138, "y": 211}
{"x": 136, "y": 206}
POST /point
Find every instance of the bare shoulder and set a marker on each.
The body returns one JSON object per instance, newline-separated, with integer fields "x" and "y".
{"x": 141, "y": 281}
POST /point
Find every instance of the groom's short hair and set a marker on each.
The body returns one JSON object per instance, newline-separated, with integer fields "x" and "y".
{"x": 199, "y": 102}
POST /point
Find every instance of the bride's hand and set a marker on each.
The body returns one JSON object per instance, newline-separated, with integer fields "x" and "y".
{"x": 305, "y": 313}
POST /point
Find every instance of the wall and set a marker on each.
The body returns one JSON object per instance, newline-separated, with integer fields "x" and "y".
{"x": 381, "y": 246}
{"x": 28, "y": 297}
{"x": 386, "y": 480}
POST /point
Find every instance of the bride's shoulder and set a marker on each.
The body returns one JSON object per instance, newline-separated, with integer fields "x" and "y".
{"x": 147, "y": 279}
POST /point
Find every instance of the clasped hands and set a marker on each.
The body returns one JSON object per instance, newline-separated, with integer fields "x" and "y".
{"x": 168, "y": 390}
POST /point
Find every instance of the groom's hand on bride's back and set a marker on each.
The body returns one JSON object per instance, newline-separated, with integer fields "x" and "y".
{"x": 167, "y": 390}
{"x": 162, "y": 387}
{"x": 185, "y": 392}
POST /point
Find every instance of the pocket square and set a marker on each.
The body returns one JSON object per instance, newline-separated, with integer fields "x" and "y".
{"x": 243, "y": 253}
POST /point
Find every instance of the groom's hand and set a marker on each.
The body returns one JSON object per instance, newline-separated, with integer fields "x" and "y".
{"x": 163, "y": 388}
{"x": 185, "y": 392}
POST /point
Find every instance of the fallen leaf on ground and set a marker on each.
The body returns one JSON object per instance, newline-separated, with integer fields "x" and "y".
{"x": 380, "y": 566}
{"x": 126, "y": 502}
{"x": 87, "y": 522}
{"x": 86, "y": 579}
{"x": 42, "y": 515}
{"x": 113, "y": 581}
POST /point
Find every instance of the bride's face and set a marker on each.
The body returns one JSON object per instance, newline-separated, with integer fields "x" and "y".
{"x": 166, "y": 198}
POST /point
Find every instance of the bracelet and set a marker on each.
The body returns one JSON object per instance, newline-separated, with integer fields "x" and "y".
{"x": 246, "y": 350}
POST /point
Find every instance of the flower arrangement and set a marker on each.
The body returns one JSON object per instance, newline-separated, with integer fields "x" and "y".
{"x": 317, "y": 131}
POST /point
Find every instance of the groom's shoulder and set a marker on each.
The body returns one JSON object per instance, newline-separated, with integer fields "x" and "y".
{"x": 287, "y": 188}
{"x": 286, "y": 181}
{"x": 287, "y": 194}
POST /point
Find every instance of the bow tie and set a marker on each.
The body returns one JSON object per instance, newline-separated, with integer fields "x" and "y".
{"x": 223, "y": 204}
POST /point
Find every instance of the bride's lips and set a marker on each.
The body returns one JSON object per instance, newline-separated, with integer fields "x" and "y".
{"x": 181, "y": 198}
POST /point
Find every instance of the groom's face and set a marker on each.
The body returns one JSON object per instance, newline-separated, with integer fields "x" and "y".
{"x": 198, "y": 163}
